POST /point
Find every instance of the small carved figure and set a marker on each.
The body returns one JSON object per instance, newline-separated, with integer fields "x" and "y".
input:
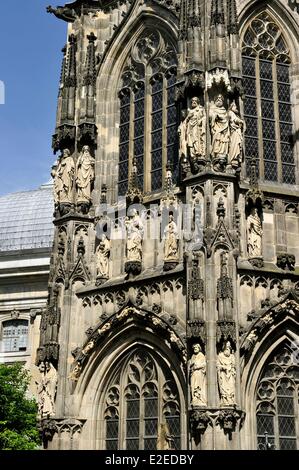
{"x": 63, "y": 175}
{"x": 196, "y": 131}
{"x": 46, "y": 390}
{"x": 236, "y": 136}
{"x": 135, "y": 233}
{"x": 84, "y": 176}
{"x": 198, "y": 382}
{"x": 171, "y": 246}
{"x": 254, "y": 234}
{"x": 226, "y": 369}
{"x": 219, "y": 129}
{"x": 103, "y": 255}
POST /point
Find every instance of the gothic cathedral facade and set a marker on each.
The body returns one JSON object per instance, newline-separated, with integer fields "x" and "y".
{"x": 173, "y": 309}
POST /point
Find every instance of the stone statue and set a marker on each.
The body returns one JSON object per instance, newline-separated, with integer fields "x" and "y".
{"x": 63, "y": 175}
{"x": 84, "y": 176}
{"x": 46, "y": 390}
{"x": 182, "y": 135}
{"x": 196, "y": 131}
{"x": 198, "y": 380}
{"x": 254, "y": 234}
{"x": 226, "y": 370}
{"x": 236, "y": 125}
{"x": 171, "y": 246}
{"x": 135, "y": 233}
{"x": 75, "y": 373}
{"x": 219, "y": 129}
{"x": 102, "y": 255}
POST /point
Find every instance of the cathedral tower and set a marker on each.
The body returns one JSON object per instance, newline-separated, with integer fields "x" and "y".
{"x": 172, "y": 318}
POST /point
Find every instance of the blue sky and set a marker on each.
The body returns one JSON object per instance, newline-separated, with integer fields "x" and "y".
{"x": 30, "y": 60}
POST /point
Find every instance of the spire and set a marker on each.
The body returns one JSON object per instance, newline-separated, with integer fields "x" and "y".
{"x": 89, "y": 80}
{"x": 63, "y": 70}
{"x": 217, "y": 13}
{"x": 233, "y": 25}
{"x": 183, "y": 32}
{"x": 194, "y": 19}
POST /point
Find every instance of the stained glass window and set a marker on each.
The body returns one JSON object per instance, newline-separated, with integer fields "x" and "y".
{"x": 124, "y": 133}
{"x": 277, "y": 402}
{"x": 267, "y": 106}
{"x": 141, "y": 398}
{"x": 148, "y": 121}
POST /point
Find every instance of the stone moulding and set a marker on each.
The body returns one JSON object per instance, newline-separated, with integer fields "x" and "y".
{"x": 101, "y": 331}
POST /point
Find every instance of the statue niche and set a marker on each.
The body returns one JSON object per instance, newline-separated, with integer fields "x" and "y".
{"x": 197, "y": 377}
{"x": 84, "y": 179}
{"x": 135, "y": 233}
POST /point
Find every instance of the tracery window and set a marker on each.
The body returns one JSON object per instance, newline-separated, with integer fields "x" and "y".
{"x": 148, "y": 116}
{"x": 267, "y": 104}
{"x": 277, "y": 401}
{"x": 141, "y": 398}
{"x": 14, "y": 336}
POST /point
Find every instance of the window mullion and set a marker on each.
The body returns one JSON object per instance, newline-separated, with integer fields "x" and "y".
{"x": 131, "y": 135}
{"x": 147, "y": 134}
{"x": 164, "y": 128}
{"x": 141, "y": 422}
{"x": 277, "y": 122}
{"x": 260, "y": 120}
{"x": 276, "y": 425}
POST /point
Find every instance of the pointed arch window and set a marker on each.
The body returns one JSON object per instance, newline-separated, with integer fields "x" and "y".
{"x": 277, "y": 411}
{"x": 140, "y": 399}
{"x": 267, "y": 105}
{"x": 148, "y": 116}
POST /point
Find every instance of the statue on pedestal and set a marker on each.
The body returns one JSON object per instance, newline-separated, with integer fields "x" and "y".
{"x": 63, "y": 175}
{"x": 226, "y": 369}
{"x": 254, "y": 234}
{"x": 220, "y": 133}
{"x": 236, "y": 136}
{"x": 84, "y": 176}
{"x": 198, "y": 380}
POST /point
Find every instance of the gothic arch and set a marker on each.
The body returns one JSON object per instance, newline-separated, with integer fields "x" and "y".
{"x": 92, "y": 387}
{"x": 281, "y": 16}
{"x": 156, "y": 18}
{"x": 282, "y": 330}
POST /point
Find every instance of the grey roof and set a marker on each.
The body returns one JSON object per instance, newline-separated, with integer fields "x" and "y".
{"x": 26, "y": 219}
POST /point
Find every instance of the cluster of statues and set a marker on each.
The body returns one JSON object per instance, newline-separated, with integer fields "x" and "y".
{"x": 46, "y": 390}
{"x": 70, "y": 176}
{"x": 227, "y": 130}
{"x": 226, "y": 375}
{"x": 134, "y": 244}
